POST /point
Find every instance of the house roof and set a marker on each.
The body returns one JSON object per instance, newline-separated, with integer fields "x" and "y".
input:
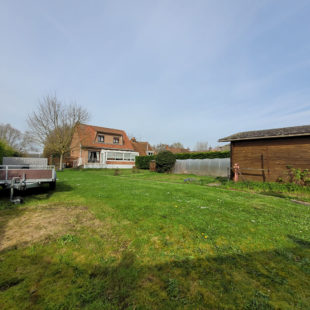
{"x": 88, "y": 137}
{"x": 141, "y": 147}
{"x": 269, "y": 133}
{"x": 176, "y": 150}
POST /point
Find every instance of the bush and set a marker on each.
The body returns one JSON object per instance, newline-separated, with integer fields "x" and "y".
{"x": 165, "y": 161}
{"x": 143, "y": 162}
{"x": 6, "y": 151}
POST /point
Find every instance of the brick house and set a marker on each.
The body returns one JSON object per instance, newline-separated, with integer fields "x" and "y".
{"x": 100, "y": 147}
{"x": 143, "y": 148}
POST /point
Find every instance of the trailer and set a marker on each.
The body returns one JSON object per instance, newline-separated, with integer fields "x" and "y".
{"x": 27, "y": 176}
{"x": 22, "y": 177}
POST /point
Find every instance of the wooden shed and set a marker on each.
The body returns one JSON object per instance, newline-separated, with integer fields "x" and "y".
{"x": 265, "y": 155}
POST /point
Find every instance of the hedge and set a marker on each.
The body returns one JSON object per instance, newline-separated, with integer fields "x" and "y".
{"x": 143, "y": 162}
{"x": 203, "y": 155}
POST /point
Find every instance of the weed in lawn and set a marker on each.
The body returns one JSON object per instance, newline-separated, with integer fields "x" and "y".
{"x": 172, "y": 289}
{"x": 260, "y": 301}
{"x": 68, "y": 238}
{"x": 117, "y": 172}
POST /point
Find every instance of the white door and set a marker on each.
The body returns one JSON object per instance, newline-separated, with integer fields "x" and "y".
{"x": 103, "y": 157}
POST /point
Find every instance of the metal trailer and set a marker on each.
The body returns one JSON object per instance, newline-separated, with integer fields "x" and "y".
{"x": 22, "y": 177}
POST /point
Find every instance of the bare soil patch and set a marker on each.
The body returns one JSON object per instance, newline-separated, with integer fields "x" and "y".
{"x": 31, "y": 225}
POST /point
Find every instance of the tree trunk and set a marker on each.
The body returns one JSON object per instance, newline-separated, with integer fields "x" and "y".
{"x": 60, "y": 161}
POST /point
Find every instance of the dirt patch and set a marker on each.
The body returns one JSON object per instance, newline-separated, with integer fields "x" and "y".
{"x": 41, "y": 223}
{"x": 214, "y": 184}
{"x": 301, "y": 202}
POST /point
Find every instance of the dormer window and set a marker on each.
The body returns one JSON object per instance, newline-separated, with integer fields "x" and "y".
{"x": 101, "y": 138}
{"x": 116, "y": 140}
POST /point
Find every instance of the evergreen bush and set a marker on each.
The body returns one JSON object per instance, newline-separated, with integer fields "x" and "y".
{"x": 165, "y": 161}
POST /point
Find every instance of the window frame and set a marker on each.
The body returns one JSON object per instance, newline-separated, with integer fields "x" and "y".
{"x": 93, "y": 159}
{"x": 116, "y": 138}
{"x": 99, "y": 138}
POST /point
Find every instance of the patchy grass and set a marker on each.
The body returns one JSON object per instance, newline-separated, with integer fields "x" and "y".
{"x": 149, "y": 241}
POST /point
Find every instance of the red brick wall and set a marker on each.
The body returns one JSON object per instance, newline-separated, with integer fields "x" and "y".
{"x": 30, "y": 174}
{"x": 118, "y": 162}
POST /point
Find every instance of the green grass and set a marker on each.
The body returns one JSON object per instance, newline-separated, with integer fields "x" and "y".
{"x": 284, "y": 190}
{"x": 152, "y": 241}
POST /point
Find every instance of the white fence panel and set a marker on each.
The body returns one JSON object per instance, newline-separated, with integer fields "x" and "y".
{"x": 217, "y": 167}
{"x": 24, "y": 161}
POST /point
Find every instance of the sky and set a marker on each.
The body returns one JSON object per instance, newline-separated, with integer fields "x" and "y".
{"x": 163, "y": 71}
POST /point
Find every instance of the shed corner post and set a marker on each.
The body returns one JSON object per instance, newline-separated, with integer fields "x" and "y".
{"x": 231, "y": 159}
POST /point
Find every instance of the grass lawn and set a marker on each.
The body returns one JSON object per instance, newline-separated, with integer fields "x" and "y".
{"x": 152, "y": 241}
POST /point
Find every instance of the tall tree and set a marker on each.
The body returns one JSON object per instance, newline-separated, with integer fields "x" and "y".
{"x": 202, "y": 146}
{"x": 53, "y": 123}
{"x": 15, "y": 139}
{"x": 177, "y": 145}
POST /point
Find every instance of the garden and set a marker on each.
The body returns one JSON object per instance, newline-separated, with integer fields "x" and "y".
{"x": 135, "y": 239}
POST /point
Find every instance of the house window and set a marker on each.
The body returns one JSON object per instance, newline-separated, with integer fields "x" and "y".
{"x": 127, "y": 156}
{"x": 93, "y": 157}
{"x": 150, "y": 153}
{"x": 101, "y": 138}
{"x": 111, "y": 155}
{"x": 120, "y": 156}
{"x": 116, "y": 140}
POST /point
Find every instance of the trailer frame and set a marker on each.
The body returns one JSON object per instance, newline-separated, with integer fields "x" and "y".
{"x": 25, "y": 176}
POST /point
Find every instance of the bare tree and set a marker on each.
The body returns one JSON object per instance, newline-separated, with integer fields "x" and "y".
{"x": 11, "y": 135}
{"x": 21, "y": 142}
{"x": 177, "y": 145}
{"x": 53, "y": 124}
{"x": 202, "y": 146}
{"x": 159, "y": 147}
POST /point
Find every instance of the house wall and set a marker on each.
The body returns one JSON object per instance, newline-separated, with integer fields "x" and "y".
{"x": 272, "y": 155}
{"x": 109, "y": 163}
{"x": 75, "y": 145}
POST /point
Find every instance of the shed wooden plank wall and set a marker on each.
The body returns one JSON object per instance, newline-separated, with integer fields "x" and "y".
{"x": 273, "y": 155}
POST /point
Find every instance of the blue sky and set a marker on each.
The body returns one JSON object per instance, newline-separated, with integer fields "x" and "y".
{"x": 164, "y": 71}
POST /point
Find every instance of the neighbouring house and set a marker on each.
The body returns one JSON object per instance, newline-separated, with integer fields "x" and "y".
{"x": 143, "y": 148}
{"x": 265, "y": 155}
{"x": 100, "y": 147}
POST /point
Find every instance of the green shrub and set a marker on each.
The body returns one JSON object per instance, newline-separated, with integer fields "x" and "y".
{"x": 143, "y": 162}
{"x": 6, "y": 151}
{"x": 165, "y": 161}
{"x": 298, "y": 176}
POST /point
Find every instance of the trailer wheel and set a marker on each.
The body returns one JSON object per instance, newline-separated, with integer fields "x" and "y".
{"x": 52, "y": 185}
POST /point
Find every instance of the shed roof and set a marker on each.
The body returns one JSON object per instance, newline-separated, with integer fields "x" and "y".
{"x": 269, "y": 133}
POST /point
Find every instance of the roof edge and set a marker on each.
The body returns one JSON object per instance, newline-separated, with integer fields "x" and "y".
{"x": 260, "y": 138}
